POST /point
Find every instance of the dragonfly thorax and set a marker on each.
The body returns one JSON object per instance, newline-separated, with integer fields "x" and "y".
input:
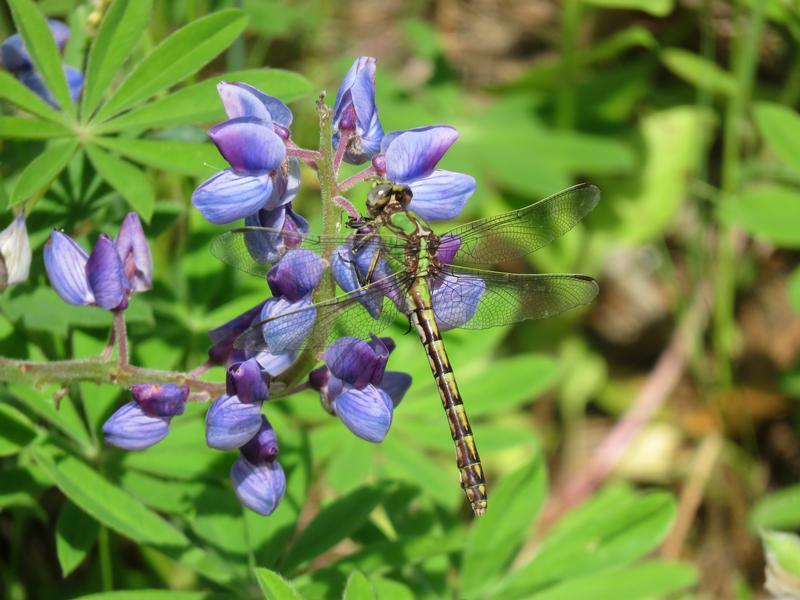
{"x": 388, "y": 198}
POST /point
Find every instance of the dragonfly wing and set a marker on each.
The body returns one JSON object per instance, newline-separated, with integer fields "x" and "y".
{"x": 516, "y": 234}
{"x": 475, "y": 299}
{"x": 255, "y": 249}
{"x": 341, "y": 316}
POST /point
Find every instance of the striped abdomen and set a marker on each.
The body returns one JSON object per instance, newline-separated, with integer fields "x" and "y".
{"x": 469, "y": 463}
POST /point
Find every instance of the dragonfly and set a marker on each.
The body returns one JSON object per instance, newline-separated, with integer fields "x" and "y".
{"x": 435, "y": 281}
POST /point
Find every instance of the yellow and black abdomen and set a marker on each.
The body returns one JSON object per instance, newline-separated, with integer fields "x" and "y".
{"x": 467, "y": 458}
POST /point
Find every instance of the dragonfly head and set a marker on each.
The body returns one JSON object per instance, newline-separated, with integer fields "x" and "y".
{"x": 388, "y": 197}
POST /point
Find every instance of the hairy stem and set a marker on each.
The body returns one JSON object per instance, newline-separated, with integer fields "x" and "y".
{"x": 121, "y": 333}
{"x": 330, "y": 211}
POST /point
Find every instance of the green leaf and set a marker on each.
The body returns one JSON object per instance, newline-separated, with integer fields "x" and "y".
{"x": 40, "y": 401}
{"x": 495, "y": 538}
{"x": 358, "y": 588}
{"x": 30, "y": 129}
{"x": 335, "y": 522}
{"x": 783, "y": 550}
{"x": 19, "y": 488}
{"x": 17, "y": 430}
{"x": 128, "y": 180}
{"x": 106, "y": 502}
{"x": 200, "y": 103}
{"x": 42, "y": 170}
{"x": 188, "y": 158}
{"x": 778, "y": 510}
{"x": 41, "y": 46}
{"x": 16, "y": 93}
{"x": 123, "y": 25}
{"x": 275, "y": 587}
{"x": 616, "y": 527}
{"x": 653, "y": 579}
{"x": 145, "y": 595}
{"x": 780, "y": 127}
{"x": 179, "y": 56}
{"x": 699, "y": 72}
{"x": 770, "y": 212}
{"x": 76, "y": 533}
{"x": 658, "y": 8}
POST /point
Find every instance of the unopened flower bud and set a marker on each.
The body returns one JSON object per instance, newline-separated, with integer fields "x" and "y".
{"x": 259, "y": 487}
{"x": 131, "y": 428}
{"x": 161, "y": 399}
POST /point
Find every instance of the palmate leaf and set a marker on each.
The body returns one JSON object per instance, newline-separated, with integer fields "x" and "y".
{"x": 180, "y": 55}
{"x": 120, "y": 31}
{"x": 188, "y": 158}
{"x": 41, "y": 46}
{"x": 127, "y": 179}
{"x": 200, "y": 103}
{"x": 16, "y": 93}
{"x": 22, "y": 128}
{"x": 42, "y": 170}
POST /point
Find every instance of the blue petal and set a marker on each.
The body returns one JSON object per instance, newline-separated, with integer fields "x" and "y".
{"x": 357, "y": 362}
{"x": 249, "y": 145}
{"x": 268, "y": 246}
{"x": 297, "y": 274}
{"x": 131, "y": 429}
{"x": 227, "y": 196}
{"x": 246, "y": 381}
{"x": 259, "y": 487}
{"x": 134, "y": 252}
{"x": 455, "y": 300}
{"x": 286, "y": 184}
{"x": 264, "y": 445}
{"x": 414, "y": 153}
{"x": 242, "y": 100}
{"x": 105, "y": 275}
{"x": 448, "y": 248}
{"x": 362, "y": 65}
{"x": 65, "y": 262}
{"x": 291, "y": 325}
{"x": 275, "y": 364}
{"x": 161, "y": 399}
{"x": 395, "y": 384}
{"x": 231, "y": 423}
{"x": 13, "y": 54}
{"x": 225, "y": 335}
{"x": 345, "y": 276}
{"x": 367, "y": 412}
{"x": 441, "y": 195}
{"x": 74, "y": 82}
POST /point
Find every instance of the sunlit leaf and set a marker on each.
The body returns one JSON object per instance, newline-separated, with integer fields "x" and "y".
{"x": 30, "y": 129}
{"x": 16, "y": 93}
{"x": 699, "y": 72}
{"x": 180, "y": 157}
{"x": 181, "y": 54}
{"x": 42, "y": 170}
{"x": 127, "y": 179}
{"x": 122, "y": 27}
{"x": 41, "y": 46}
{"x": 358, "y": 588}
{"x": 780, "y": 127}
{"x": 275, "y": 587}
{"x": 770, "y": 212}
{"x": 778, "y": 510}
{"x": 658, "y": 8}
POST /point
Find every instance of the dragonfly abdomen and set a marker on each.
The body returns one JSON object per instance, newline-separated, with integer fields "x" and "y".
{"x": 469, "y": 463}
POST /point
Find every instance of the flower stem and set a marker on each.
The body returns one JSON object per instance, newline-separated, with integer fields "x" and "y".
{"x": 344, "y": 139}
{"x": 357, "y": 178}
{"x": 122, "y": 336}
{"x": 309, "y": 157}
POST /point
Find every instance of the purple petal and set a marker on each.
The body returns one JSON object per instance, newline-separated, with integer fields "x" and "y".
{"x": 246, "y": 381}
{"x": 225, "y": 335}
{"x": 231, "y": 423}
{"x": 285, "y": 185}
{"x": 362, "y": 66}
{"x": 243, "y": 100}
{"x": 259, "y": 487}
{"x": 275, "y": 364}
{"x": 395, "y": 384}
{"x": 455, "y": 300}
{"x": 135, "y": 254}
{"x": 268, "y": 246}
{"x": 345, "y": 276}
{"x": 264, "y": 445}
{"x": 13, "y": 54}
{"x": 414, "y": 153}
{"x": 296, "y": 275}
{"x": 65, "y": 262}
{"x": 228, "y": 196}
{"x": 105, "y": 275}
{"x": 291, "y": 325}
{"x": 448, "y": 248}
{"x": 160, "y": 399}
{"x": 367, "y": 412}
{"x": 249, "y": 145}
{"x": 357, "y": 362}
{"x": 441, "y": 195}
{"x": 131, "y": 428}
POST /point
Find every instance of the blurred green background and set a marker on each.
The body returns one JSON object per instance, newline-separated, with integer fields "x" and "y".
{"x": 681, "y": 111}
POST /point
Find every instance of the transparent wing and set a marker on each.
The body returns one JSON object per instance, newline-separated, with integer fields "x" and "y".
{"x": 476, "y": 299}
{"x": 255, "y": 249}
{"x": 515, "y": 234}
{"x": 343, "y": 315}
